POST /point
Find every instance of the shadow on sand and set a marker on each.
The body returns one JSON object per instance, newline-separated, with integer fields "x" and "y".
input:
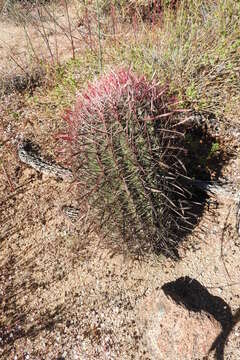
{"x": 193, "y": 296}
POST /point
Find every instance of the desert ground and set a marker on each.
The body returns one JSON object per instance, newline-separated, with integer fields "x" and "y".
{"x": 63, "y": 294}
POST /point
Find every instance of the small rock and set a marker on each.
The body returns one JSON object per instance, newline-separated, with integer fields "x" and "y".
{"x": 173, "y": 332}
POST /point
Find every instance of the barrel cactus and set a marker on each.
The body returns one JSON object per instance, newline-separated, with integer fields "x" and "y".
{"x": 127, "y": 152}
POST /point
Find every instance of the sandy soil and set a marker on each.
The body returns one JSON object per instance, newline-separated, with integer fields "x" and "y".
{"x": 43, "y": 36}
{"x": 64, "y": 297}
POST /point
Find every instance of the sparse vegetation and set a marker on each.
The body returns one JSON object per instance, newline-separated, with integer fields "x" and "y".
{"x": 169, "y": 48}
{"x": 50, "y": 52}
{"x": 166, "y": 49}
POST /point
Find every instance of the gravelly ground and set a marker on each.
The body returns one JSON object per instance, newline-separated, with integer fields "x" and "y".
{"x": 58, "y": 301}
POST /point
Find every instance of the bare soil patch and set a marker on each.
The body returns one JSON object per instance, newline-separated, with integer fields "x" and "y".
{"x": 58, "y": 299}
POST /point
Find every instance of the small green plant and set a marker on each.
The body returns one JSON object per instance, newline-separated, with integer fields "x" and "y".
{"x": 191, "y": 92}
{"x": 127, "y": 151}
{"x": 214, "y": 149}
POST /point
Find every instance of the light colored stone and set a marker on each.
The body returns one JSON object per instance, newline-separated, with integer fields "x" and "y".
{"x": 172, "y": 332}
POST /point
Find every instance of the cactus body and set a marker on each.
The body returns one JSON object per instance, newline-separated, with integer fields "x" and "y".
{"x": 127, "y": 156}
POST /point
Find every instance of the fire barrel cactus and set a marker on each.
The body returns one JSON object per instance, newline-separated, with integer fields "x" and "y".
{"x": 127, "y": 153}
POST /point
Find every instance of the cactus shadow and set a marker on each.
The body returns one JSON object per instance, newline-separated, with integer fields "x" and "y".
{"x": 204, "y": 159}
